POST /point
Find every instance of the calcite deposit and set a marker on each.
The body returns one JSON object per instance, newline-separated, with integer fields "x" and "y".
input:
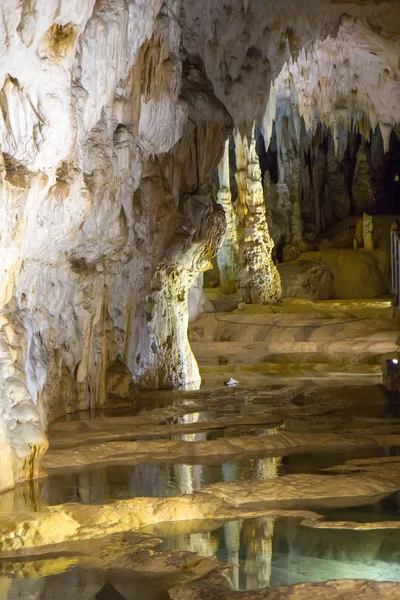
{"x": 114, "y": 117}
{"x": 199, "y": 193}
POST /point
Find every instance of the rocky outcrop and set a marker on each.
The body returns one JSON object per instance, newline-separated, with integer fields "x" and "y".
{"x": 113, "y": 117}
{"x": 306, "y": 279}
{"x": 102, "y": 231}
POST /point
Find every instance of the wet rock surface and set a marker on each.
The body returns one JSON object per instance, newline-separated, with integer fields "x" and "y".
{"x": 331, "y": 590}
{"x": 273, "y": 473}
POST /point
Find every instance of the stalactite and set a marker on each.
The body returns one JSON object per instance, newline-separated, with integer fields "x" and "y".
{"x": 258, "y": 278}
{"x": 228, "y": 255}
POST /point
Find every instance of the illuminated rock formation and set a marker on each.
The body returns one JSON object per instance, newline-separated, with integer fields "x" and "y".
{"x": 228, "y": 254}
{"x": 363, "y": 193}
{"x": 113, "y": 119}
{"x": 258, "y": 277}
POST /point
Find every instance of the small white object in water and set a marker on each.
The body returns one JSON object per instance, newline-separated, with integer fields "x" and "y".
{"x": 395, "y": 361}
{"x": 231, "y": 382}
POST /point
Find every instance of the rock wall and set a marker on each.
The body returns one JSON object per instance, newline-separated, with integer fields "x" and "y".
{"x": 107, "y": 213}
{"x": 113, "y": 116}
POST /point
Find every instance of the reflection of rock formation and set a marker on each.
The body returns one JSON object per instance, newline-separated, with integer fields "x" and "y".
{"x": 76, "y": 582}
{"x": 250, "y": 538}
{"x": 257, "y": 539}
{"x": 205, "y": 544}
{"x": 308, "y": 554}
{"x": 232, "y": 532}
{"x": 267, "y": 468}
{"x": 24, "y": 498}
{"x": 189, "y": 478}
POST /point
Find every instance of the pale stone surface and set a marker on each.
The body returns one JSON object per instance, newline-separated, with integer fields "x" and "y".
{"x": 228, "y": 254}
{"x": 113, "y": 119}
{"x": 363, "y": 193}
{"x": 258, "y": 277}
{"x": 198, "y": 302}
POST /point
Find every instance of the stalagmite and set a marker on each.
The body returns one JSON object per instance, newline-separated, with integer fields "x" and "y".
{"x": 368, "y": 233}
{"x": 228, "y": 255}
{"x": 276, "y": 218}
{"x": 359, "y": 238}
{"x": 319, "y": 162}
{"x": 258, "y": 278}
{"x": 295, "y": 197}
{"x": 363, "y": 192}
{"x": 338, "y": 196}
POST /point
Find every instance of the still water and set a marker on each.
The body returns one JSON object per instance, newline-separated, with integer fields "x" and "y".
{"x": 118, "y": 482}
{"x": 259, "y": 552}
{"x": 267, "y": 551}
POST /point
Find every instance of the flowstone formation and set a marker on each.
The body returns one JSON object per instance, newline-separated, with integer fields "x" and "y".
{"x": 113, "y": 120}
{"x": 228, "y": 253}
{"x": 107, "y": 216}
{"x": 258, "y": 277}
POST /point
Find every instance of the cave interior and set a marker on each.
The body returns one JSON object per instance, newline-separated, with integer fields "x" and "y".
{"x": 199, "y": 299}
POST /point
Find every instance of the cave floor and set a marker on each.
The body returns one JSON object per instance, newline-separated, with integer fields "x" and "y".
{"x": 287, "y": 484}
{"x": 212, "y": 493}
{"x": 301, "y": 340}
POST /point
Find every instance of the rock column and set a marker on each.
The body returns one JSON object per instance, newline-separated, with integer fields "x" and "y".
{"x": 228, "y": 254}
{"x": 258, "y": 278}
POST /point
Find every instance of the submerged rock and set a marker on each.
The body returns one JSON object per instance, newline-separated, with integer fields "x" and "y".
{"x": 216, "y": 587}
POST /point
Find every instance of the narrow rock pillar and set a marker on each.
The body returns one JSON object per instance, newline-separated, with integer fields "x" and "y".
{"x": 228, "y": 254}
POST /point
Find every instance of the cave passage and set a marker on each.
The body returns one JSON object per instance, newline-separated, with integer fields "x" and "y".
{"x": 199, "y": 300}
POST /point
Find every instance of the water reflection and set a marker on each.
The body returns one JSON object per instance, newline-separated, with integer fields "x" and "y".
{"x": 99, "y": 486}
{"x": 261, "y": 552}
{"x": 226, "y": 543}
{"x": 105, "y": 484}
{"x": 267, "y": 551}
{"x": 84, "y": 582}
